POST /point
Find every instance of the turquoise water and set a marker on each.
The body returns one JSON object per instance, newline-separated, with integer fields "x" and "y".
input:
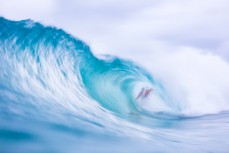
{"x": 57, "y": 96}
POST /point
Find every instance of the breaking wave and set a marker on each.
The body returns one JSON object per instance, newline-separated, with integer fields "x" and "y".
{"x": 50, "y": 76}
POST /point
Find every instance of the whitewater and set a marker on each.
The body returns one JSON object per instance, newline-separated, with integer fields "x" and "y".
{"x": 57, "y": 96}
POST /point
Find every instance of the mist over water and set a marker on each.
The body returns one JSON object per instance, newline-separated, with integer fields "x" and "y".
{"x": 57, "y": 96}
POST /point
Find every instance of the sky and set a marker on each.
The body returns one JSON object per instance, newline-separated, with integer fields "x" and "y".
{"x": 142, "y": 26}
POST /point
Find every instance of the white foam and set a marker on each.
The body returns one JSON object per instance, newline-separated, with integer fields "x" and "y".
{"x": 196, "y": 81}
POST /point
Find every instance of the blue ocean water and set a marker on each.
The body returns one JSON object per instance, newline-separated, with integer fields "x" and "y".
{"x": 57, "y": 96}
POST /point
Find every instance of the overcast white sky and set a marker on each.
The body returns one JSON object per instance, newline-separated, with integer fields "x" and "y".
{"x": 119, "y": 27}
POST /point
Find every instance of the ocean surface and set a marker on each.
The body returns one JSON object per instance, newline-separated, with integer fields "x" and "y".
{"x": 57, "y": 96}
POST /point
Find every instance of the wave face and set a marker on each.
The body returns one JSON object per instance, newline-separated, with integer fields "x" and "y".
{"x": 57, "y": 96}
